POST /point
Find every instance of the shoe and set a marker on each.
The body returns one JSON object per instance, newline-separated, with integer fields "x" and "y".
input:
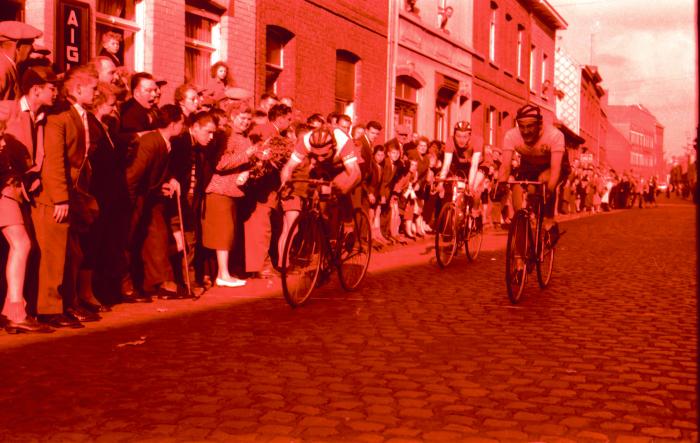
{"x": 166, "y": 294}
{"x": 554, "y": 234}
{"x": 96, "y": 307}
{"x": 82, "y": 315}
{"x": 60, "y": 321}
{"x": 28, "y": 325}
{"x": 233, "y": 282}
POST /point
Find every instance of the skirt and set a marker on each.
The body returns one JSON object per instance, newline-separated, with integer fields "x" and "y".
{"x": 219, "y": 222}
{"x": 10, "y": 212}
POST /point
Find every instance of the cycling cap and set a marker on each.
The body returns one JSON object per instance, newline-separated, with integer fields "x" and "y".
{"x": 321, "y": 138}
{"x": 463, "y": 126}
{"x": 529, "y": 111}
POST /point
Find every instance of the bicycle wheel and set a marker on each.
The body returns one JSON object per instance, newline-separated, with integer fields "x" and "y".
{"x": 474, "y": 235}
{"x": 546, "y": 265}
{"x": 301, "y": 260}
{"x": 355, "y": 252}
{"x": 516, "y": 257}
{"x": 446, "y": 236}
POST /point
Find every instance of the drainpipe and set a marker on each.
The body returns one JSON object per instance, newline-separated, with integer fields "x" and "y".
{"x": 392, "y": 50}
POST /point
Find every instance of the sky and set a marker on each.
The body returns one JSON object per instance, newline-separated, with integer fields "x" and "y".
{"x": 646, "y": 54}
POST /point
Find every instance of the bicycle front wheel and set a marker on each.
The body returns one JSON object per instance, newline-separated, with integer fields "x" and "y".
{"x": 301, "y": 260}
{"x": 355, "y": 252}
{"x": 516, "y": 256}
{"x": 446, "y": 235}
{"x": 545, "y": 266}
{"x": 474, "y": 235}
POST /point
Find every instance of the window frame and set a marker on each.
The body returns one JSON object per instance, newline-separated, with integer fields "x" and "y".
{"x": 204, "y": 49}
{"x": 493, "y": 23}
{"x": 131, "y": 31}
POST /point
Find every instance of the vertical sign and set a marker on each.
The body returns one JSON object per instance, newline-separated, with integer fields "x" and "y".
{"x": 72, "y": 34}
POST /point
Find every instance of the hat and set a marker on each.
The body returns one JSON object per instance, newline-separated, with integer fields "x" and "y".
{"x": 13, "y": 30}
{"x": 38, "y": 75}
{"x": 40, "y": 49}
{"x": 237, "y": 93}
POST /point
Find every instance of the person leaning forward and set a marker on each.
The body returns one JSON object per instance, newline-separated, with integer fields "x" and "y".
{"x": 151, "y": 183}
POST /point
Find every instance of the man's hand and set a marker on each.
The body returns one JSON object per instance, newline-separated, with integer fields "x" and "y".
{"x": 179, "y": 241}
{"x": 60, "y": 213}
{"x": 170, "y": 188}
{"x": 372, "y": 199}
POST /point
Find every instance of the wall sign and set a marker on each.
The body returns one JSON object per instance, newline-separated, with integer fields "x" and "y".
{"x": 72, "y": 34}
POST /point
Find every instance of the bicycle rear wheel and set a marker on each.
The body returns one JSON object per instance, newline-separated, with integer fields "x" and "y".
{"x": 301, "y": 260}
{"x": 516, "y": 256}
{"x": 355, "y": 252}
{"x": 546, "y": 265}
{"x": 474, "y": 234}
{"x": 446, "y": 235}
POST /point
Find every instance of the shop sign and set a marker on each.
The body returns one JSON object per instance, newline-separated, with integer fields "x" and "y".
{"x": 72, "y": 34}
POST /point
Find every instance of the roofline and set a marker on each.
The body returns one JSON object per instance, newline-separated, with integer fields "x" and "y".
{"x": 554, "y": 15}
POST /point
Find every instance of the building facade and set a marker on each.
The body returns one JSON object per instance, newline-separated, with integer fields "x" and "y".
{"x": 636, "y": 142}
{"x": 513, "y": 64}
{"x": 327, "y": 55}
{"x": 431, "y": 62}
{"x": 593, "y": 117}
{"x": 176, "y": 40}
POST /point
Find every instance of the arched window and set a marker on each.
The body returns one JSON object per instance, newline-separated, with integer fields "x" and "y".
{"x": 345, "y": 81}
{"x": 276, "y": 40}
{"x": 406, "y": 103}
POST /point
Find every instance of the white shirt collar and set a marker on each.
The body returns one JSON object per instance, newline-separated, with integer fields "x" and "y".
{"x": 24, "y": 107}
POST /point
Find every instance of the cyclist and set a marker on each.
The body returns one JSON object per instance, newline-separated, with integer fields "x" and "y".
{"x": 542, "y": 158}
{"x": 327, "y": 153}
{"x": 465, "y": 153}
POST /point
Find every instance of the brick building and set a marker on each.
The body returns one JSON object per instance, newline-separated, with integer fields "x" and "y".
{"x": 173, "y": 39}
{"x": 431, "y": 55}
{"x": 328, "y": 55}
{"x": 514, "y": 62}
{"x": 635, "y": 140}
{"x": 593, "y": 115}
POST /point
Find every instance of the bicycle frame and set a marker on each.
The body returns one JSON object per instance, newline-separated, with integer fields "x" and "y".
{"x": 533, "y": 205}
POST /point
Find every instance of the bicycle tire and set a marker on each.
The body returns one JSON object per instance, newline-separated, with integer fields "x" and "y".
{"x": 355, "y": 252}
{"x": 446, "y": 235}
{"x": 301, "y": 260}
{"x": 545, "y": 267}
{"x": 473, "y": 237}
{"x": 515, "y": 280}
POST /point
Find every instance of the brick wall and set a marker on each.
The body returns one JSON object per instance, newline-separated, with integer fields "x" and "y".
{"x": 320, "y": 28}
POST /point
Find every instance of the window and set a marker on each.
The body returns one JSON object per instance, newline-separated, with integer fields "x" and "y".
{"x": 12, "y": 10}
{"x": 405, "y": 106}
{"x": 345, "y": 82}
{"x": 119, "y": 16}
{"x": 533, "y": 68}
{"x": 447, "y": 90}
{"x": 202, "y": 43}
{"x": 543, "y": 74}
{"x": 492, "y": 33}
{"x": 492, "y": 121}
{"x": 276, "y": 39}
{"x": 519, "y": 56}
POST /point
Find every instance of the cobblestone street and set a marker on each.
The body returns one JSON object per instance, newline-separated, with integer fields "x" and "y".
{"x": 606, "y": 353}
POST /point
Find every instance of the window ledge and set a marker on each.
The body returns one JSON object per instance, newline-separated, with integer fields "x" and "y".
{"x": 521, "y": 80}
{"x": 508, "y": 73}
{"x": 494, "y": 65}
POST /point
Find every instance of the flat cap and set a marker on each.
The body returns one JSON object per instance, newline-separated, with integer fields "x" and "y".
{"x": 13, "y": 30}
{"x": 38, "y": 75}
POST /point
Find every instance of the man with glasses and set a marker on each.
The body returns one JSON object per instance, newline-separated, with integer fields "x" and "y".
{"x": 402, "y": 140}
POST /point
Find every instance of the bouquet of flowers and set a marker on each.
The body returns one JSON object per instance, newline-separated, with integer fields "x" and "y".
{"x": 271, "y": 156}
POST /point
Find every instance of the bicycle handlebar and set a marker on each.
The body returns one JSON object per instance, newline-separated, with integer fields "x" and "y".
{"x": 311, "y": 181}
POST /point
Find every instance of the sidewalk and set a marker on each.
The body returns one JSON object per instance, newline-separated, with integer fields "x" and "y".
{"x": 415, "y": 253}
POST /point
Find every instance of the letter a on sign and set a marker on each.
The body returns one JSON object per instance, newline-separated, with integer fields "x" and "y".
{"x": 72, "y": 20}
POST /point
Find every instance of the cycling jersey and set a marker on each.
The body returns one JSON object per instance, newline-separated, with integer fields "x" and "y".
{"x": 462, "y": 156}
{"x": 539, "y": 155}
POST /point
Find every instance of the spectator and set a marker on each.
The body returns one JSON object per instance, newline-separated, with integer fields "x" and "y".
{"x": 219, "y": 81}
{"x": 111, "y": 43}
{"x": 135, "y": 116}
{"x": 13, "y": 35}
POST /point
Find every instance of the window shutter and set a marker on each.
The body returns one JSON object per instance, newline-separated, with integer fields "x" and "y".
{"x": 344, "y": 80}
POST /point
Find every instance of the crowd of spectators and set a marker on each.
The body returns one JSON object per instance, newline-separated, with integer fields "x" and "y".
{"x": 105, "y": 187}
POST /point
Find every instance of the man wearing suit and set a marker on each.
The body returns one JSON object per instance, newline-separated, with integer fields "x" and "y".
{"x": 12, "y": 35}
{"x": 361, "y": 197}
{"x": 151, "y": 183}
{"x": 135, "y": 115}
{"x": 194, "y": 158}
{"x": 65, "y": 178}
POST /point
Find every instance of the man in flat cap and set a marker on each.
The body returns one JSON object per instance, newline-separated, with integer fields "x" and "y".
{"x": 13, "y": 37}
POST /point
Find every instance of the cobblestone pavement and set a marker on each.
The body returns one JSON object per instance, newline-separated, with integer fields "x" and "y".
{"x": 607, "y": 353}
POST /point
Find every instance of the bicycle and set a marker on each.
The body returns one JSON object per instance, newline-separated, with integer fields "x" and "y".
{"x": 530, "y": 249}
{"x": 456, "y": 226}
{"x": 311, "y": 252}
